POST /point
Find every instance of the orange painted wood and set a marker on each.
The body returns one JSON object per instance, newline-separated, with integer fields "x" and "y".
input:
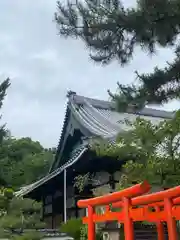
{"x": 135, "y": 214}
{"x": 133, "y": 208}
{"x": 159, "y": 226}
{"x": 176, "y": 201}
{"x": 133, "y": 191}
{"x": 127, "y": 219}
{"x": 139, "y": 214}
{"x": 154, "y": 199}
{"x": 91, "y": 225}
{"x": 176, "y": 212}
{"x": 171, "y": 223}
{"x": 160, "y": 231}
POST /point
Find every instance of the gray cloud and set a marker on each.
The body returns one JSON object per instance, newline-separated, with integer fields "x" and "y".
{"x": 43, "y": 67}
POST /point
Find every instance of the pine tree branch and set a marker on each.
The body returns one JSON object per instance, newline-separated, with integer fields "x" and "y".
{"x": 112, "y": 32}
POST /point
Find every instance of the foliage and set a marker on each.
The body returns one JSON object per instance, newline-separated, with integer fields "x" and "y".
{"x": 151, "y": 152}
{"x": 3, "y": 89}
{"x": 3, "y": 132}
{"x": 84, "y": 235}
{"x": 23, "y": 161}
{"x": 113, "y": 32}
{"x": 80, "y": 181}
{"x": 17, "y": 215}
{"x": 75, "y": 228}
{"x": 156, "y": 153}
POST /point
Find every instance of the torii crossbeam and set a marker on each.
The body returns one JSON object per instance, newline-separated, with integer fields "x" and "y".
{"x": 132, "y": 206}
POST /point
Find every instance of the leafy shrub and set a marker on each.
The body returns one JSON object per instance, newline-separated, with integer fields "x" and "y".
{"x": 84, "y": 236}
{"x": 72, "y": 227}
{"x": 19, "y": 218}
{"x": 77, "y": 230}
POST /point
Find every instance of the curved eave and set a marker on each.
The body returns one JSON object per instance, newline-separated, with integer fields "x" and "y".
{"x": 30, "y": 188}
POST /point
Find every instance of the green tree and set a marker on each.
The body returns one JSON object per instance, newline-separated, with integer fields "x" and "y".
{"x": 3, "y": 132}
{"x": 113, "y": 32}
{"x": 19, "y": 218}
{"x": 3, "y": 89}
{"x": 23, "y": 161}
{"x": 151, "y": 152}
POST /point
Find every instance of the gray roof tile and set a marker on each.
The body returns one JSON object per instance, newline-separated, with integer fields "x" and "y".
{"x": 102, "y": 119}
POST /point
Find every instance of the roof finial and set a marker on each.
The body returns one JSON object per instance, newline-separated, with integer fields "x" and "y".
{"x": 70, "y": 93}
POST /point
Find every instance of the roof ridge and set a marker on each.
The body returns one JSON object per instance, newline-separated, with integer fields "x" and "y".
{"x": 147, "y": 111}
{"x": 93, "y": 101}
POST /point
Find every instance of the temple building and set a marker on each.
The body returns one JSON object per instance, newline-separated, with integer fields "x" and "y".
{"x": 85, "y": 119}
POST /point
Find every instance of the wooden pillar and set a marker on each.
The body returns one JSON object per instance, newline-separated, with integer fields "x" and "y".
{"x": 171, "y": 223}
{"x": 159, "y": 227}
{"x": 91, "y": 225}
{"x": 128, "y": 223}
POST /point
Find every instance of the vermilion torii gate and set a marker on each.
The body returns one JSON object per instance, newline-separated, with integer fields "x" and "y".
{"x": 133, "y": 206}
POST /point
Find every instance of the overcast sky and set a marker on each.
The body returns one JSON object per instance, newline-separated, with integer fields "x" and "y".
{"x": 42, "y": 67}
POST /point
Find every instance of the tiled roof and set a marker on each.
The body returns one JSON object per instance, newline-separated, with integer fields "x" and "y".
{"x": 101, "y": 119}
{"x": 77, "y": 99}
